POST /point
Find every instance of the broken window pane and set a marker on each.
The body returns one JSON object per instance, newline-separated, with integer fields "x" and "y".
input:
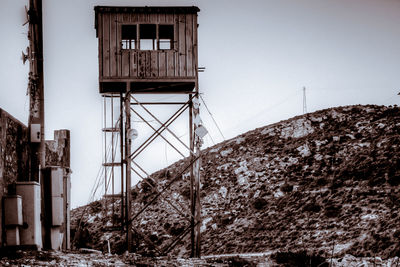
{"x": 128, "y": 36}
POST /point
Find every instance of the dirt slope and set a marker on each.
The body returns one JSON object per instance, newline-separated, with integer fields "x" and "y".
{"x": 326, "y": 182}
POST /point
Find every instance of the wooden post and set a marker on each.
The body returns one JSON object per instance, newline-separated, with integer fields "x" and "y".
{"x": 36, "y": 90}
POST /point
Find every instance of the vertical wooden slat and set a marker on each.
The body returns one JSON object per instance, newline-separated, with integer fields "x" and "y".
{"x": 148, "y": 64}
{"x": 106, "y": 45}
{"x": 100, "y": 48}
{"x": 125, "y": 58}
{"x": 161, "y": 55}
{"x": 182, "y": 46}
{"x": 153, "y": 18}
{"x": 126, "y": 18}
{"x": 162, "y": 68}
{"x": 176, "y": 45}
{"x": 133, "y": 64}
{"x": 169, "y": 18}
{"x": 161, "y": 18}
{"x": 195, "y": 51}
{"x": 141, "y": 64}
{"x": 154, "y": 64}
{"x": 189, "y": 45}
{"x": 113, "y": 45}
{"x": 118, "y": 23}
{"x": 170, "y": 58}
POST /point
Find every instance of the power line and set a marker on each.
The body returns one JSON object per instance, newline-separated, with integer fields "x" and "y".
{"x": 212, "y": 117}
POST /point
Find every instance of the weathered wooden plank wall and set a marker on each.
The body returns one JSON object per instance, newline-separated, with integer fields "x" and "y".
{"x": 116, "y": 63}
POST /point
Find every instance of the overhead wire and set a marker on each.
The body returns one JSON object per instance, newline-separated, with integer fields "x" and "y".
{"x": 212, "y": 117}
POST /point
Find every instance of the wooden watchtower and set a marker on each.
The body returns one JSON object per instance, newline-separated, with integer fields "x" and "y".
{"x": 149, "y": 50}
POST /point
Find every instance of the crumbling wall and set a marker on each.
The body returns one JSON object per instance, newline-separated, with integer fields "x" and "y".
{"x": 14, "y": 151}
{"x": 14, "y": 154}
{"x": 58, "y": 150}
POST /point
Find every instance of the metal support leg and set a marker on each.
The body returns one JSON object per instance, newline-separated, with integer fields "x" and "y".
{"x": 128, "y": 170}
{"x": 195, "y": 144}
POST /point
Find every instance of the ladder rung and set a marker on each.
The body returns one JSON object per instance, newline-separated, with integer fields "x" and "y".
{"x": 111, "y": 164}
{"x": 111, "y": 130}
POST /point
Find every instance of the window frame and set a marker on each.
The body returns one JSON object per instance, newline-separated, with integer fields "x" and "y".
{"x": 157, "y": 40}
{"x": 129, "y": 40}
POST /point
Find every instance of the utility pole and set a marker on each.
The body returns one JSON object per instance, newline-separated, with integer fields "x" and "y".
{"x": 36, "y": 90}
{"x": 304, "y": 101}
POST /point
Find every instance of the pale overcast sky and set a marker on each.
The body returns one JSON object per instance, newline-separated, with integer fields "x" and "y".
{"x": 258, "y": 55}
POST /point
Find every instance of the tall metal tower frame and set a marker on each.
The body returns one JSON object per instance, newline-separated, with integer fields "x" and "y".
{"x": 129, "y": 153}
{"x": 127, "y": 71}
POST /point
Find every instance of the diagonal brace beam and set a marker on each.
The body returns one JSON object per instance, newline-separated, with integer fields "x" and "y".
{"x": 155, "y": 118}
{"x": 178, "y": 176}
{"x": 166, "y": 140}
{"x": 159, "y": 130}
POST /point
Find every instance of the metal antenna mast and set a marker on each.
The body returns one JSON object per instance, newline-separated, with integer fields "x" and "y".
{"x": 35, "y": 89}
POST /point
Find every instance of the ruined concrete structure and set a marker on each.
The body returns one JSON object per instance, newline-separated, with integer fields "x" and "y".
{"x": 13, "y": 151}
{"x": 13, "y": 154}
{"x": 14, "y": 169}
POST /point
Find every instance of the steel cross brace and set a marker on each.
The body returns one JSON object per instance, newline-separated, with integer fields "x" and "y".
{"x": 160, "y": 129}
{"x": 144, "y": 179}
{"x": 157, "y": 191}
{"x": 178, "y": 176}
{"x": 186, "y": 231}
{"x": 162, "y": 124}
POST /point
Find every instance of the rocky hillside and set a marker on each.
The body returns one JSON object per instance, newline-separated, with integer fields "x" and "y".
{"x": 326, "y": 182}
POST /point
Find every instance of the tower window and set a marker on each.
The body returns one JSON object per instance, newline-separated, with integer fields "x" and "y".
{"x": 166, "y": 36}
{"x": 148, "y": 36}
{"x": 128, "y": 36}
